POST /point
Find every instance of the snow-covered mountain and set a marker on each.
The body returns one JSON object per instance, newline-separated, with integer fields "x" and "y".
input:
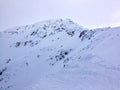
{"x": 59, "y": 55}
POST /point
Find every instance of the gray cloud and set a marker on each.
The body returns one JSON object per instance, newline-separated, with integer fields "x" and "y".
{"x": 89, "y": 13}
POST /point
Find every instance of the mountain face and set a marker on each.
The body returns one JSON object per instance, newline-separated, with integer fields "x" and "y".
{"x": 59, "y": 55}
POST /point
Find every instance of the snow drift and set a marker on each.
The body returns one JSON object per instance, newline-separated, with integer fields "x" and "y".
{"x": 59, "y": 55}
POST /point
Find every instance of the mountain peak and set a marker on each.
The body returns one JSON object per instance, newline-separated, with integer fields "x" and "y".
{"x": 54, "y": 52}
{"x": 52, "y": 23}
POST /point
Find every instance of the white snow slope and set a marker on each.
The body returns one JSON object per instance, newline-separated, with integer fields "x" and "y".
{"x": 59, "y": 55}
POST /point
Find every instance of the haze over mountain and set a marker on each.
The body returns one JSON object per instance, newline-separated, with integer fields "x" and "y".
{"x": 59, "y": 55}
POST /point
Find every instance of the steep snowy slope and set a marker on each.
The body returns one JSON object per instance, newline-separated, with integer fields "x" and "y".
{"x": 59, "y": 55}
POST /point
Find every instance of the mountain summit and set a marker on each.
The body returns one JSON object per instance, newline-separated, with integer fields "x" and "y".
{"x": 59, "y": 55}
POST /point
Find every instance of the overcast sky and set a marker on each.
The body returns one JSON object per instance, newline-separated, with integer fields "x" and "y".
{"x": 89, "y": 13}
